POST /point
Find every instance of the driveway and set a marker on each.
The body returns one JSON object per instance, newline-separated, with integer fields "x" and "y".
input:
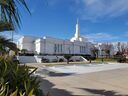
{"x": 104, "y": 83}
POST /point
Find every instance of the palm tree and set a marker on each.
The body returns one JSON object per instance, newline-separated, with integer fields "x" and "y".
{"x": 9, "y": 14}
{"x": 6, "y": 45}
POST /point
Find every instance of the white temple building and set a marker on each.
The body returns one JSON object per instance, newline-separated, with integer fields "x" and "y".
{"x": 50, "y": 45}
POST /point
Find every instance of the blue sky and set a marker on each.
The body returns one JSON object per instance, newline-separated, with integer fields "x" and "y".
{"x": 100, "y": 20}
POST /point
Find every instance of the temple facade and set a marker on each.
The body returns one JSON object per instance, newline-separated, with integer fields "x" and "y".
{"x": 50, "y": 45}
{"x": 76, "y": 45}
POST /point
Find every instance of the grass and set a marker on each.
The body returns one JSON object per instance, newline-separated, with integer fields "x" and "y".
{"x": 64, "y": 63}
{"x": 54, "y": 64}
{"x": 59, "y": 63}
{"x": 105, "y": 60}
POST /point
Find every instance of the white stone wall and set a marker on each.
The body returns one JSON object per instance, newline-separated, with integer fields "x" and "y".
{"x": 27, "y": 42}
{"x": 76, "y": 49}
{"x": 68, "y": 47}
{"x": 88, "y": 45}
{"x": 26, "y": 59}
{"x": 48, "y": 45}
{"x": 38, "y": 46}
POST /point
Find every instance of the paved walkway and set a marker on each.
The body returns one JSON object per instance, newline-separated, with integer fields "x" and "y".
{"x": 105, "y": 83}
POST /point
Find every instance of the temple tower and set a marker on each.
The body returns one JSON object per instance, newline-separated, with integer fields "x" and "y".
{"x": 77, "y": 36}
{"x": 77, "y": 33}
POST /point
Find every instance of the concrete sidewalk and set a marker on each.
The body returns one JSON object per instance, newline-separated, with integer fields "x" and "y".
{"x": 104, "y": 83}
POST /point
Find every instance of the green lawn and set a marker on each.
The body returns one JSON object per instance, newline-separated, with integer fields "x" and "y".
{"x": 105, "y": 60}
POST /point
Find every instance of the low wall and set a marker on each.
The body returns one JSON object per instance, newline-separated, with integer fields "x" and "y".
{"x": 38, "y": 59}
{"x": 26, "y": 59}
{"x": 52, "y": 58}
{"x": 78, "y": 58}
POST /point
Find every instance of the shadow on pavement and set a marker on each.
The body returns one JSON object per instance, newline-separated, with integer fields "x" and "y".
{"x": 102, "y": 92}
{"x": 48, "y": 89}
{"x": 51, "y": 73}
{"x": 59, "y": 74}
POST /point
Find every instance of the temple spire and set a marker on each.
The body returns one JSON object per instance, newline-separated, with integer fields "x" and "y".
{"x": 77, "y": 33}
{"x": 77, "y": 36}
{"x": 77, "y": 21}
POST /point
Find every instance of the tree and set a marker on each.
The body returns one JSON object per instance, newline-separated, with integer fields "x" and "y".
{"x": 94, "y": 50}
{"x": 118, "y": 46}
{"x": 123, "y": 48}
{"x": 6, "y": 45}
{"x": 16, "y": 80}
{"x": 24, "y": 51}
{"x": 106, "y": 47}
{"x": 9, "y": 14}
{"x": 67, "y": 56}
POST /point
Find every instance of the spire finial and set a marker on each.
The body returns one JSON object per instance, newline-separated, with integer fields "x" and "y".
{"x": 77, "y": 20}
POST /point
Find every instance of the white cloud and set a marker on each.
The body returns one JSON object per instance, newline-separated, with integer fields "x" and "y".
{"x": 101, "y": 37}
{"x": 100, "y": 9}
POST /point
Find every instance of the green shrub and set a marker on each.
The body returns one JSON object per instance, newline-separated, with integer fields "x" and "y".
{"x": 67, "y": 56}
{"x": 92, "y": 58}
{"x": 61, "y": 60}
{"x": 120, "y": 58}
{"x": 16, "y": 80}
{"x": 45, "y": 60}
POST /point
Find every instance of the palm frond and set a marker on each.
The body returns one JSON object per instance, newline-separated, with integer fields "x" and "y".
{"x": 10, "y": 14}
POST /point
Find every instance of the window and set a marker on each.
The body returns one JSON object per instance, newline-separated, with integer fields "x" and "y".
{"x": 58, "y": 48}
{"x": 55, "y": 48}
{"x": 61, "y": 47}
{"x": 82, "y": 49}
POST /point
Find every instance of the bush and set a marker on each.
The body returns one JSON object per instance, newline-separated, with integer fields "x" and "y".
{"x": 120, "y": 58}
{"x": 16, "y": 80}
{"x": 67, "y": 56}
{"x": 61, "y": 60}
{"x": 26, "y": 54}
{"x": 71, "y": 60}
{"x": 45, "y": 60}
{"x": 93, "y": 58}
{"x": 15, "y": 60}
